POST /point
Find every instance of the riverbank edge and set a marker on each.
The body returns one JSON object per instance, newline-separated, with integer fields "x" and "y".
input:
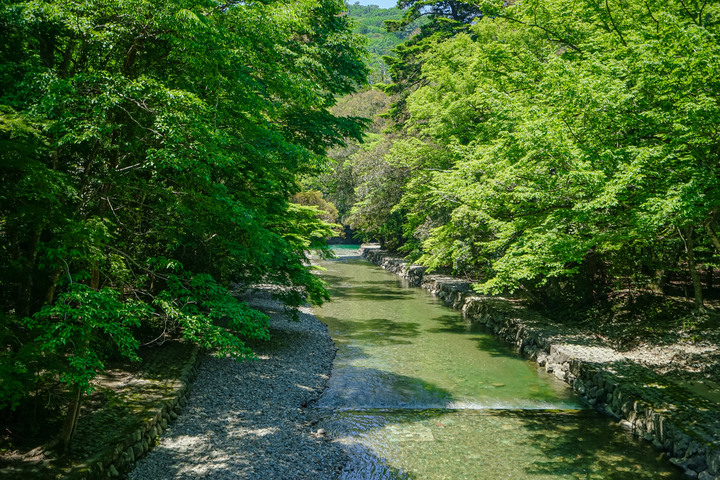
{"x": 601, "y": 376}
{"x": 256, "y": 398}
{"x": 119, "y": 459}
{"x": 156, "y": 411}
{"x": 152, "y": 413}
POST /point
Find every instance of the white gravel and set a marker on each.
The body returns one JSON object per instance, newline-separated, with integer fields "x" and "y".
{"x": 249, "y": 420}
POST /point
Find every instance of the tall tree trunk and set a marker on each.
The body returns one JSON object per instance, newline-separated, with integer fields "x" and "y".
{"x": 660, "y": 277}
{"x": 713, "y": 235}
{"x": 590, "y": 282}
{"x": 71, "y": 419}
{"x": 73, "y": 414}
{"x": 709, "y": 277}
{"x": 54, "y": 279}
{"x": 25, "y": 295}
{"x": 692, "y": 267}
{"x": 657, "y": 284}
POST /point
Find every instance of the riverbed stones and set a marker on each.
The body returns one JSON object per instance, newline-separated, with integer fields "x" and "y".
{"x": 249, "y": 420}
{"x": 666, "y": 414}
{"x": 713, "y": 460}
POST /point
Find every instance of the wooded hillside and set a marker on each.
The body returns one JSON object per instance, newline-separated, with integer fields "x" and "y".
{"x": 563, "y": 151}
{"x": 369, "y": 21}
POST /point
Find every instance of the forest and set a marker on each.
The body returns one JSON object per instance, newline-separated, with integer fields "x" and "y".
{"x": 369, "y": 22}
{"x": 148, "y": 156}
{"x": 155, "y": 158}
{"x": 565, "y": 153}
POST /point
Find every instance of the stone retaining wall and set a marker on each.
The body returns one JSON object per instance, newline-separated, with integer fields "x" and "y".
{"x": 685, "y": 426}
{"x": 118, "y": 459}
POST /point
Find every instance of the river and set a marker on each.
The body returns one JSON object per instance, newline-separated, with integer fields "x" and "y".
{"x": 417, "y": 392}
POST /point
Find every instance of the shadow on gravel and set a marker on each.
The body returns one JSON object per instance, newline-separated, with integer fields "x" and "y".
{"x": 247, "y": 445}
{"x": 248, "y": 420}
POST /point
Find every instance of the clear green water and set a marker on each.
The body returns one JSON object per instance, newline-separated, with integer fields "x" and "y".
{"x": 417, "y": 392}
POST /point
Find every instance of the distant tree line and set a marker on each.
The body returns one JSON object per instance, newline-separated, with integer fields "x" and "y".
{"x": 370, "y": 22}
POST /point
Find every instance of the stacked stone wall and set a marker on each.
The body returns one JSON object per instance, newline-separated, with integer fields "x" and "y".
{"x": 115, "y": 460}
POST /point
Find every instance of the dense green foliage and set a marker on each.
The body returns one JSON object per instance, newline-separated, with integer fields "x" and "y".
{"x": 327, "y": 211}
{"x": 460, "y": 12}
{"x": 370, "y": 21}
{"x": 148, "y": 152}
{"x": 555, "y": 147}
{"x": 339, "y": 184}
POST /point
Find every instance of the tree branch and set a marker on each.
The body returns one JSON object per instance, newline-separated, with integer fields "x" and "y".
{"x": 689, "y": 13}
{"x": 546, "y": 30}
{"x": 612, "y": 20}
{"x": 657, "y": 23}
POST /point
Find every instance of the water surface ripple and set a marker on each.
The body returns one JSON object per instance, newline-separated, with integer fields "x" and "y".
{"x": 419, "y": 393}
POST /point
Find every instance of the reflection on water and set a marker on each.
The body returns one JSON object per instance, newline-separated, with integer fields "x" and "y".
{"x": 417, "y": 392}
{"x": 483, "y": 444}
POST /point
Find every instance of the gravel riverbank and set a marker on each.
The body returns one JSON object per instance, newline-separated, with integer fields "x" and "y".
{"x": 249, "y": 420}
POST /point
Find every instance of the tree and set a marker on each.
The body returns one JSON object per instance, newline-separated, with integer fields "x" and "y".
{"x": 553, "y": 145}
{"x": 150, "y": 153}
{"x": 325, "y": 210}
{"x": 459, "y": 12}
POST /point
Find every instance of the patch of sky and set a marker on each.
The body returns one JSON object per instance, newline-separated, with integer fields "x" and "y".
{"x": 379, "y": 3}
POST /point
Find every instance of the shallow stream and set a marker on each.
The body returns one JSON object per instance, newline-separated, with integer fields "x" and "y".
{"x": 419, "y": 393}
